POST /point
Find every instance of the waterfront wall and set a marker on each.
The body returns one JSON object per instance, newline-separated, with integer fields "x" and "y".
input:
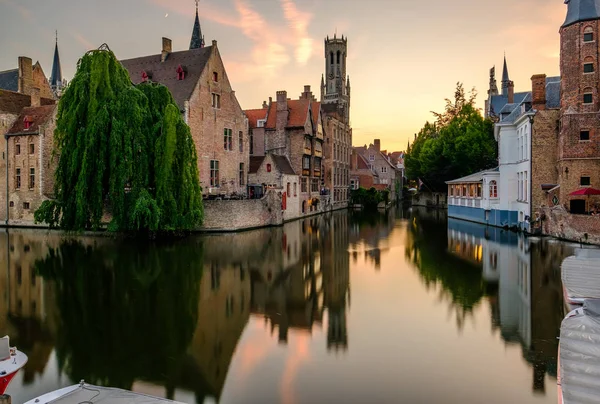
{"x": 557, "y": 222}
{"x": 430, "y": 199}
{"x": 232, "y": 215}
{"x": 494, "y": 217}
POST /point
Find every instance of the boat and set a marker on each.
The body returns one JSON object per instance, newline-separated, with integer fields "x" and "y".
{"x": 11, "y": 361}
{"x": 580, "y": 278}
{"x": 578, "y": 376}
{"x": 90, "y": 394}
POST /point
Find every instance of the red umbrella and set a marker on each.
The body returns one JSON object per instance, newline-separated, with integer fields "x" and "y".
{"x": 585, "y": 191}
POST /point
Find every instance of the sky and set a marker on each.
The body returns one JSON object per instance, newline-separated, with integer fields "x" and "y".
{"x": 404, "y": 57}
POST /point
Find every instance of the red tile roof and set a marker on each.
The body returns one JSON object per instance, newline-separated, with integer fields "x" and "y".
{"x": 316, "y": 109}
{"x": 254, "y": 115}
{"x": 298, "y": 111}
{"x": 13, "y": 103}
{"x": 36, "y": 115}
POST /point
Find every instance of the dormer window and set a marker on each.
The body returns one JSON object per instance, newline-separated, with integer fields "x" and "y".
{"x": 215, "y": 77}
{"x": 180, "y": 73}
{"x": 27, "y": 123}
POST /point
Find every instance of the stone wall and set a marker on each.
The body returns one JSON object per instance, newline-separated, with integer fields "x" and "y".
{"x": 232, "y": 215}
{"x": 557, "y": 222}
{"x": 544, "y": 152}
{"x": 430, "y": 199}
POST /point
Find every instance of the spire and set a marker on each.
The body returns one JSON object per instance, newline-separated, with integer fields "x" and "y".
{"x": 56, "y": 79}
{"x": 197, "y": 38}
{"x": 505, "y": 78}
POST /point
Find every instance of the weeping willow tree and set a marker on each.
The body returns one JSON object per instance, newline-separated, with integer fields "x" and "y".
{"x": 124, "y": 150}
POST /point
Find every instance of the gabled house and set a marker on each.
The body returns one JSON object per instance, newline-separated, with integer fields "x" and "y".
{"x": 380, "y": 164}
{"x": 256, "y": 129}
{"x": 198, "y": 81}
{"x": 361, "y": 174}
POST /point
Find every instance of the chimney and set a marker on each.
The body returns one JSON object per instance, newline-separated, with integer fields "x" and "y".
{"x": 265, "y": 106}
{"x": 353, "y": 160}
{"x": 511, "y": 92}
{"x": 538, "y": 91}
{"x": 377, "y": 144}
{"x": 282, "y": 101}
{"x": 25, "y": 75}
{"x": 167, "y": 47}
{"x": 270, "y": 100}
{"x": 35, "y": 97}
{"x": 214, "y": 43}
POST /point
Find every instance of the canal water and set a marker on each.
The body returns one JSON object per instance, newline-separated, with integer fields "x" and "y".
{"x": 403, "y": 307}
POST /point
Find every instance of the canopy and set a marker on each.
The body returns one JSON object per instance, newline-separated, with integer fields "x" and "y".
{"x": 579, "y": 370}
{"x": 585, "y": 191}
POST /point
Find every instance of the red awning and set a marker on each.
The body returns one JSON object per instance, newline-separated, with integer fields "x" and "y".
{"x": 585, "y": 191}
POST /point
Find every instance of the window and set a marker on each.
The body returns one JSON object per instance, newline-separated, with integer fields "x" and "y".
{"x": 251, "y": 143}
{"x": 241, "y": 141}
{"x": 268, "y": 168}
{"x": 17, "y": 149}
{"x": 27, "y": 124}
{"x": 12, "y": 204}
{"x": 306, "y": 163}
{"x": 295, "y": 189}
{"x": 331, "y": 57}
{"x": 242, "y": 174}
{"x": 371, "y": 157}
{"x": 31, "y": 178}
{"x": 588, "y": 67}
{"x": 338, "y": 57}
{"x": 31, "y": 148}
{"x": 228, "y": 139}
{"x": 314, "y": 186}
{"x": 525, "y": 186}
{"x": 216, "y": 100}
{"x": 289, "y": 189}
{"x": 493, "y": 189}
{"x": 25, "y": 205}
{"x": 479, "y": 190}
{"x": 587, "y": 98}
{"x": 588, "y": 37}
{"x": 18, "y": 179}
{"x": 215, "y": 76}
{"x": 384, "y": 169}
{"x": 585, "y": 181}
{"x": 304, "y": 184}
{"x": 214, "y": 173}
{"x": 180, "y": 73}
{"x": 584, "y": 135}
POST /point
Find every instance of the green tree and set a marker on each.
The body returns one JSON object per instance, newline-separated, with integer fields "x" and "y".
{"x": 121, "y": 149}
{"x": 459, "y": 143}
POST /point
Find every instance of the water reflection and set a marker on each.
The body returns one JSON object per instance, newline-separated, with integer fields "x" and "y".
{"x": 290, "y": 314}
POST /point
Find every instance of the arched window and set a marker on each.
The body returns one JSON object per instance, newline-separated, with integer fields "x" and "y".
{"x": 588, "y": 34}
{"x": 493, "y": 189}
{"x": 331, "y": 57}
{"x": 339, "y": 54}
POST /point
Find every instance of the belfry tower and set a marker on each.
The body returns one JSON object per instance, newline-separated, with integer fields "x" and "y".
{"x": 335, "y": 84}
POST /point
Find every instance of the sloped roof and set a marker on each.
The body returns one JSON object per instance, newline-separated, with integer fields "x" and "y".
{"x": 516, "y": 111}
{"x": 12, "y": 102}
{"x": 36, "y": 115}
{"x": 255, "y": 163}
{"x": 553, "y": 92}
{"x": 499, "y": 101}
{"x": 581, "y": 10}
{"x": 362, "y": 163}
{"x": 316, "y": 109}
{"x": 56, "y": 76}
{"x": 298, "y": 111}
{"x": 472, "y": 178}
{"x": 165, "y": 73}
{"x": 283, "y": 165}
{"x": 9, "y": 80}
{"x": 254, "y": 115}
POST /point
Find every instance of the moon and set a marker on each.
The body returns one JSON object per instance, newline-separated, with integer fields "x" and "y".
{"x": 166, "y": 15}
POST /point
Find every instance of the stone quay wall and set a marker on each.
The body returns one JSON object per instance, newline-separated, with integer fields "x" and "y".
{"x": 235, "y": 215}
{"x": 559, "y": 223}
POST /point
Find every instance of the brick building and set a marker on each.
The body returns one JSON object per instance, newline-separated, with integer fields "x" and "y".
{"x": 361, "y": 174}
{"x": 381, "y": 164}
{"x": 579, "y": 129}
{"x": 335, "y": 104}
{"x": 198, "y": 81}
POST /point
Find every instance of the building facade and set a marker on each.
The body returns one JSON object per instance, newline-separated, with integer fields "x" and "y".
{"x": 381, "y": 165}
{"x": 198, "y": 81}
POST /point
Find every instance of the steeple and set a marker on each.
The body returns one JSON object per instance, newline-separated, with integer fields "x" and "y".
{"x": 197, "y": 38}
{"x": 505, "y": 78}
{"x": 56, "y": 79}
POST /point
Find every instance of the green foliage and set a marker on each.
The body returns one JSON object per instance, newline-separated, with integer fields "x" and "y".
{"x": 122, "y": 149}
{"x": 459, "y": 143}
{"x": 369, "y": 199}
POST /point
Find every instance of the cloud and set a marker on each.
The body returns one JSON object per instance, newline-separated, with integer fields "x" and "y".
{"x": 274, "y": 45}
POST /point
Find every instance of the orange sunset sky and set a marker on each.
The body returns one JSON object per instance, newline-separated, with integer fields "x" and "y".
{"x": 405, "y": 56}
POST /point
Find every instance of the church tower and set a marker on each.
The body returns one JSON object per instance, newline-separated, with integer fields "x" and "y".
{"x": 197, "y": 40}
{"x": 56, "y": 80}
{"x": 335, "y": 84}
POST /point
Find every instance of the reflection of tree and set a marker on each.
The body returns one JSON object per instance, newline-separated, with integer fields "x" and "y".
{"x": 461, "y": 282}
{"x": 127, "y": 311}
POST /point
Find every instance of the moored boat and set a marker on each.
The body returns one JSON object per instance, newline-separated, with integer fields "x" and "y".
{"x": 580, "y": 275}
{"x": 579, "y": 355}
{"x": 90, "y": 394}
{"x": 11, "y": 361}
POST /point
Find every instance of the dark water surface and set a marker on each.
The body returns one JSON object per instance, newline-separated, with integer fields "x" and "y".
{"x": 407, "y": 307}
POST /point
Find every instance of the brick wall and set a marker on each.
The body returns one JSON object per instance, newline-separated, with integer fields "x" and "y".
{"x": 243, "y": 214}
{"x": 207, "y": 126}
{"x": 557, "y": 222}
{"x": 6, "y": 122}
{"x": 258, "y": 139}
{"x": 544, "y": 152}
{"x": 40, "y": 81}
{"x": 338, "y": 147}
